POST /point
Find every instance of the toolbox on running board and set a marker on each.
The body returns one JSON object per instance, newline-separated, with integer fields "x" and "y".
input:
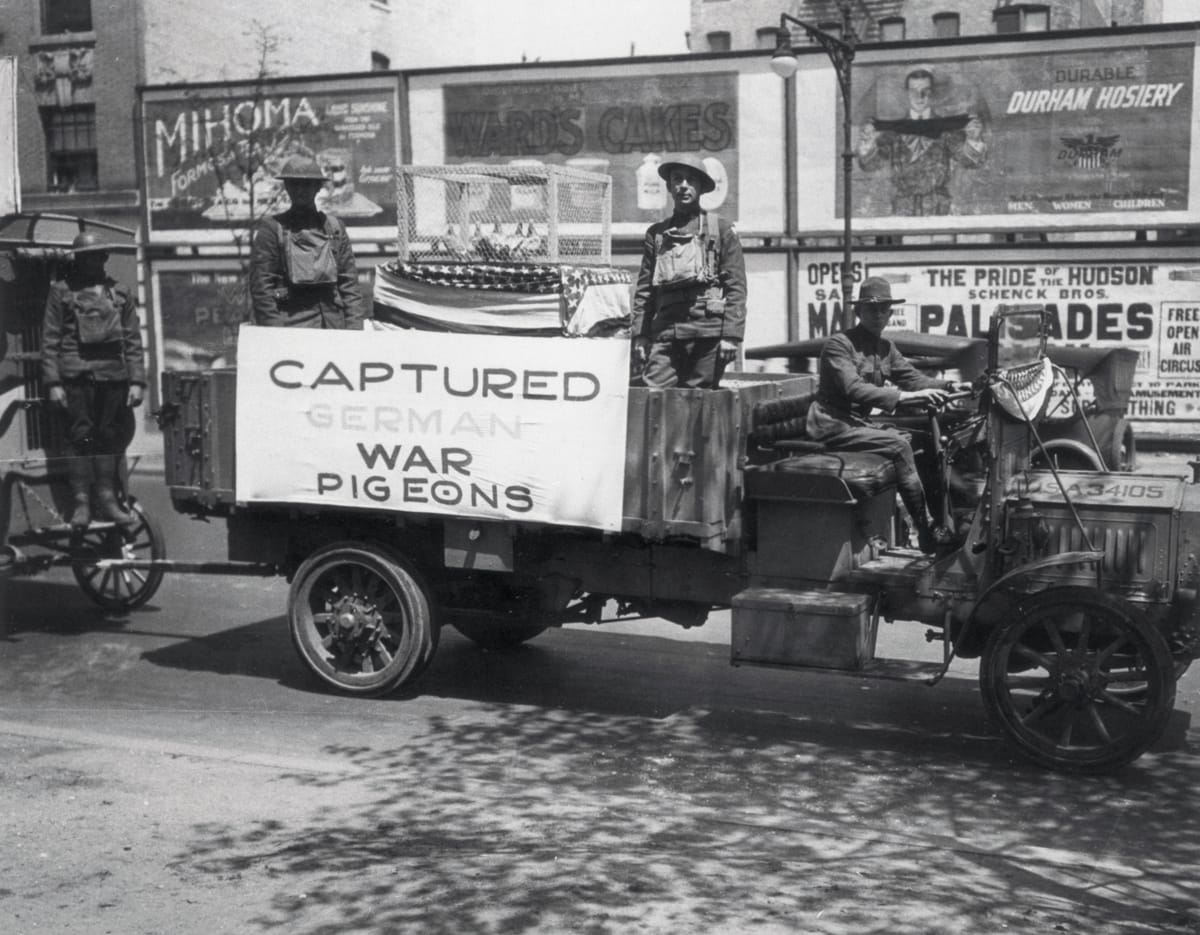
{"x": 778, "y": 626}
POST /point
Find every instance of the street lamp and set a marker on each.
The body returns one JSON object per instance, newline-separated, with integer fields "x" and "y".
{"x": 841, "y": 53}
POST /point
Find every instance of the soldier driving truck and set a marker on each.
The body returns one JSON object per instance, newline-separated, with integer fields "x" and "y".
{"x": 860, "y": 370}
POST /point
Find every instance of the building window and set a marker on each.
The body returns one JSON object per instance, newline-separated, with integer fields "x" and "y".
{"x": 59, "y": 16}
{"x": 71, "y": 148}
{"x": 767, "y": 37}
{"x": 1022, "y": 17}
{"x": 380, "y": 62}
{"x": 719, "y": 42}
{"x": 891, "y": 29}
{"x": 946, "y": 25}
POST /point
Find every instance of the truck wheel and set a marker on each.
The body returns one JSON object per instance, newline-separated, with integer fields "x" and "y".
{"x": 1078, "y": 682}
{"x": 361, "y": 618}
{"x": 125, "y": 588}
{"x": 497, "y": 635}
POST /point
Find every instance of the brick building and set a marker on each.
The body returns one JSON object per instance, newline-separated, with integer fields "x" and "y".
{"x": 722, "y": 25}
{"x": 80, "y": 62}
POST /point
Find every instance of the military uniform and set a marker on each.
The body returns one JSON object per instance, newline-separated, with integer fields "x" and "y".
{"x": 302, "y": 270}
{"x": 279, "y": 301}
{"x": 860, "y": 371}
{"x": 92, "y": 348}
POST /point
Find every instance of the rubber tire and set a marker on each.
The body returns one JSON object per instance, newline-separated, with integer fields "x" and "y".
{"x": 121, "y": 589}
{"x": 1134, "y": 718}
{"x": 384, "y": 580}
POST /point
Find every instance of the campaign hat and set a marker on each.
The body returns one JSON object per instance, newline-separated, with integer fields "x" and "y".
{"x": 692, "y": 164}
{"x": 876, "y": 290}
{"x": 301, "y": 167}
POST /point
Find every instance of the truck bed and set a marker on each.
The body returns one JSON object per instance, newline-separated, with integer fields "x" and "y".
{"x": 684, "y": 455}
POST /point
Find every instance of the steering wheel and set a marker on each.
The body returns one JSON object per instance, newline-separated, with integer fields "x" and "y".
{"x": 924, "y": 405}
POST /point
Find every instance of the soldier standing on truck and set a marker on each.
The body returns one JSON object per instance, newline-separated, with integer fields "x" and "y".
{"x": 689, "y": 309}
{"x": 302, "y": 271}
{"x": 94, "y": 371}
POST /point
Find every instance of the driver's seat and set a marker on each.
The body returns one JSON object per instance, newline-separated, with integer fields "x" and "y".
{"x": 778, "y": 443}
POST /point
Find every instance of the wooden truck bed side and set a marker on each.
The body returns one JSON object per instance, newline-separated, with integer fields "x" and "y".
{"x": 684, "y": 451}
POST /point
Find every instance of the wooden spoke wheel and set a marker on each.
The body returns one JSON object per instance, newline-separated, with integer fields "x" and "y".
{"x": 361, "y": 618}
{"x": 1078, "y": 681}
{"x": 119, "y": 588}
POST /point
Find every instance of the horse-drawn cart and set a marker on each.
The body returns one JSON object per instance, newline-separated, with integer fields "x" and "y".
{"x": 34, "y": 497}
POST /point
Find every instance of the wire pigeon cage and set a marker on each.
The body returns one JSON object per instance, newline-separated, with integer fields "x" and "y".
{"x": 504, "y": 214}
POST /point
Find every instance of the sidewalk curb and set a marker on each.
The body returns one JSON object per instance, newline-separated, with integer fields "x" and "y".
{"x": 90, "y": 738}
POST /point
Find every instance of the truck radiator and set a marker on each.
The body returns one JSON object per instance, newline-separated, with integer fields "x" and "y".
{"x": 1135, "y": 554}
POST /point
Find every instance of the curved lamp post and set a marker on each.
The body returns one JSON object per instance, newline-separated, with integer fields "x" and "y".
{"x": 841, "y": 53}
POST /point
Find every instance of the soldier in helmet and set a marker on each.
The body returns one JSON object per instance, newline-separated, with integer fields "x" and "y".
{"x": 94, "y": 371}
{"x": 302, "y": 271}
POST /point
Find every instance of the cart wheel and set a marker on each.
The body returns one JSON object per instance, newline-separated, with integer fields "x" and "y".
{"x": 497, "y": 635}
{"x": 361, "y": 618}
{"x": 1078, "y": 682}
{"x": 120, "y": 588}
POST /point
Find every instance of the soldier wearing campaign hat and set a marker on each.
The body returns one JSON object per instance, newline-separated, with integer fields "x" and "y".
{"x": 689, "y": 308}
{"x": 302, "y": 269}
{"x": 860, "y": 372}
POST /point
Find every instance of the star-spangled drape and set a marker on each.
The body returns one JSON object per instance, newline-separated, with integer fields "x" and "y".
{"x": 410, "y": 295}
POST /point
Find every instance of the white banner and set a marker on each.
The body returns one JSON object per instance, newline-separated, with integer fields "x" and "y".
{"x": 508, "y": 428}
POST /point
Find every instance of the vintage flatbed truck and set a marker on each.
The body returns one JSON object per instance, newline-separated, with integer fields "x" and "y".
{"x": 1077, "y": 590}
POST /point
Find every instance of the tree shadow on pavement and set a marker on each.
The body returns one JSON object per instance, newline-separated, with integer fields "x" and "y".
{"x": 546, "y": 805}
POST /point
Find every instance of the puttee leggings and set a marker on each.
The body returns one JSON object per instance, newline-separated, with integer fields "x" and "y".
{"x": 890, "y": 444}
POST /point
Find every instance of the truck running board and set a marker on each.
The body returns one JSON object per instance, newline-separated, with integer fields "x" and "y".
{"x": 167, "y": 564}
{"x": 896, "y": 670}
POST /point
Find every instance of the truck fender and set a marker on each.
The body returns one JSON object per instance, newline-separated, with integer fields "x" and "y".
{"x": 1074, "y": 452}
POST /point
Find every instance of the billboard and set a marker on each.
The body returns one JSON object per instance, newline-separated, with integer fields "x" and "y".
{"x": 1076, "y": 133}
{"x": 1095, "y": 298}
{"x": 210, "y": 153}
{"x": 620, "y": 118}
{"x": 619, "y": 126}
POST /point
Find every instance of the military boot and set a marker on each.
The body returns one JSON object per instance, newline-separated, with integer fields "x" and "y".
{"x": 79, "y": 477}
{"x": 106, "y": 481}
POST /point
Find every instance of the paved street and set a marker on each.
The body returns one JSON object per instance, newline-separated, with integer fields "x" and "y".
{"x": 178, "y": 770}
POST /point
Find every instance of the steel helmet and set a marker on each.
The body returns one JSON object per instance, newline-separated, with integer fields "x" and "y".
{"x": 301, "y": 167}
{"x": 88, "y": 242}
